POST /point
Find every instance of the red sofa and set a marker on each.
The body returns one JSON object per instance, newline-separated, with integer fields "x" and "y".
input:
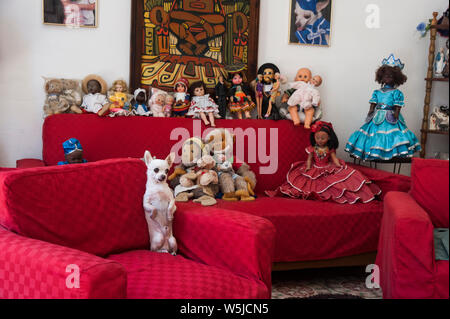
{"x": 79, "y": 231}
{"x": 307, "y": 231}
{"x": 406, "y": 256}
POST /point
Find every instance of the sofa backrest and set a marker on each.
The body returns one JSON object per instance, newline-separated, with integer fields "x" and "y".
{"x": 93, "y": 207}
{"x": 269, "y": 147}
{"x": 429, "y": 187}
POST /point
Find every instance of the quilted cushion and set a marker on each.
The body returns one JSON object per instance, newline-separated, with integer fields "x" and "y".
{"x": 93, "y": 207}
{"x": 313, "y": 230}
{"x": 269, "y": 147}
{"x": 152, "y": 275}
{"x": 430, "y": 185}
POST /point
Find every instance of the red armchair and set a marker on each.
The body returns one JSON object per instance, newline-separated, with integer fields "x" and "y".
{"x": 406, "y": 257}
{"x": 90, "y": 216}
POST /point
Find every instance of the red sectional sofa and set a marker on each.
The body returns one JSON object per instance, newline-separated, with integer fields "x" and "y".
{"x": 79, "y": 231}
{"x": 309, "y": 233}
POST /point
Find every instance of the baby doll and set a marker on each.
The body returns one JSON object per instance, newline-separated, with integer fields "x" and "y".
{"x": 239, "y": 96}
{"x": 385, "y": 135}
{"x": 221, "y": 96}
{"x": 73, "y": 152}
{"x": 181, "y": 105}
{"x": 95, "y": 100}
{"x": 325, "y": 177}
{"x": 139, "y": 103}
{"x": 202, "y": 104}
{"x": 168, "y": 105}
{"x": 157, "y": 102}
{"x": 307, "y": 96}
{"x": 118, "y": 98}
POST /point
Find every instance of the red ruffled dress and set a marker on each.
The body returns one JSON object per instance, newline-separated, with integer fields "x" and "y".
{"x": 326, "y": 181}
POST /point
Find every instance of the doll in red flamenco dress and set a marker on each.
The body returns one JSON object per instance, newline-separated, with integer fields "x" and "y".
{"x": 324, "y": 176}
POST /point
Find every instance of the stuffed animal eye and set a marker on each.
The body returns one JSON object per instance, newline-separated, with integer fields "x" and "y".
{"x": 156, "y": 170}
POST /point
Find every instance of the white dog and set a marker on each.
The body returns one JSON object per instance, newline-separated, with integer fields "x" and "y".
{"x": 311, "y": 26}
{"x": 159, "y": 204}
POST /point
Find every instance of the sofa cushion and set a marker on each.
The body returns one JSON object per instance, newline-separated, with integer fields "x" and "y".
{"x": 430, "y": 186}
{"x": 93, "y": 207}
{"x": 267, "y": 145}
{"x": 152, "y": 275}
{"x": 314, "y": 230}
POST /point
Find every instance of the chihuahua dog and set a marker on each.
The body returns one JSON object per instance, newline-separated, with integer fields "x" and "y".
{"x": 159, "y": 204}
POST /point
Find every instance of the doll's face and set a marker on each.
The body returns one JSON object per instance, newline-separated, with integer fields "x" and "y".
{"x": 316, "y": 80}
{"x": 93, "y": 86}
{"x": 180, "y": 88}
{"x": 200, "y": 91}
{"x": 388, "y": 78}
{"x": 169, "y": 100}
{"x": 268, "y": 75}
{"x": 75, "y": 157}
{"x": 303, "y": 75}
{"x": 118, "y": 87}
{"x": 160, "y": 99}
{"x": 221, "y": 79}
{"x": 321, "y": 138}
{"x": 140, "y": 98}
{"x": 237, "y": 79}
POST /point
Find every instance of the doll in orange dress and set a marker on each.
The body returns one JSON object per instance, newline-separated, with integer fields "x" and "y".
{"x": 324, "y": 176}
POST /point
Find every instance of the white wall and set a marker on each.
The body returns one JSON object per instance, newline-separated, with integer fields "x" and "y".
{"x": 29, "y": 50}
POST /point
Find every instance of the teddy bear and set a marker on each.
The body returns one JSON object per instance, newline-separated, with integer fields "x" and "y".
{"x": 71, "y": 93}
{"x": 184, "y": 178}
{"x": 54, "y": 102}
{"x": 219, "y": 144}
{"x": 249, "y": 176}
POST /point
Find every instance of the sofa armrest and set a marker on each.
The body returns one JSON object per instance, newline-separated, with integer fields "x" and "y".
{"x": 241, "y": 243}
{"x": 405, "y": 249}
{"x": 34, "y": 269}
{"x": 29, "y": 163}
{"x": 388, "y": 182}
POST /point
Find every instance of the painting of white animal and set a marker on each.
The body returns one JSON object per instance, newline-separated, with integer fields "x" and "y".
{"x": 159, "y": 204}
{"x": 310, "y": 22}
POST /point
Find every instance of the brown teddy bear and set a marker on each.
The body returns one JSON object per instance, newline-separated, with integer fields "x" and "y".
{"x": 219, "y": 144}
{"x": 249, "y": 176}
{"x": 72, "y": 93}
{"x": 184, "y": 178}
{"x": 54, "y": 103}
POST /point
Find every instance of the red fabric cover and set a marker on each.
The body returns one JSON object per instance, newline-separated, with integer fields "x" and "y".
{"x": 313, "y": 230}
{"x": 441, "y": 280}
{"x": 29, "y": 163}
{"x": 406, "y": 250}
{"x": 33, "y": 269}
{"x": 93, "y": 207}
{"x": 152, "y": 275}
{"x": 385, "y": 180}
{"x": 430, "y": 185}
{"x": 100, "y": 140}
{"x": 230, "y": 240}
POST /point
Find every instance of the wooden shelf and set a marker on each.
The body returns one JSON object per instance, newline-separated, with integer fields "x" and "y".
{"x": 435, "y": 132}
{"x": 437, "y": 79}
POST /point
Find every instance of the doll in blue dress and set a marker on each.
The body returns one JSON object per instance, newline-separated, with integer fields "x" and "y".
{"x": 385, "y": 135}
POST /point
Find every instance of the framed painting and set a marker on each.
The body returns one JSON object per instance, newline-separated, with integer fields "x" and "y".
{"x": 70, "y": 13}
{"x": 310, "y": 22}
{"x": 193, "y": 39}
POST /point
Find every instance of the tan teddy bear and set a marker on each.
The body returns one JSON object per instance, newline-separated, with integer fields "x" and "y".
{"x": 54, "y": 104}
{"x": 72, "y": 93}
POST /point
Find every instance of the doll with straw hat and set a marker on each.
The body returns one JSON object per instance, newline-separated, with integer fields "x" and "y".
{"x": 95, "y": 100}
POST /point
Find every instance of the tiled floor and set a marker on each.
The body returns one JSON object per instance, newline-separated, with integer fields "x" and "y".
{"x": 311, "y": 282}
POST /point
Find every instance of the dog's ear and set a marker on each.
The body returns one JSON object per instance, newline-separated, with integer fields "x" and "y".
{"x": 170, "y": 159}
{"x": 147, "y": 158}
{"x": 322, "y": 5}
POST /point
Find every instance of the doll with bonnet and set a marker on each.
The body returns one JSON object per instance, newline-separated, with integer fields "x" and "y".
{"x": 139, "y": 103}
{"x": 73, "y": 152}
{"x": 157, "y": 102}
{"x": 95, "y": 100}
